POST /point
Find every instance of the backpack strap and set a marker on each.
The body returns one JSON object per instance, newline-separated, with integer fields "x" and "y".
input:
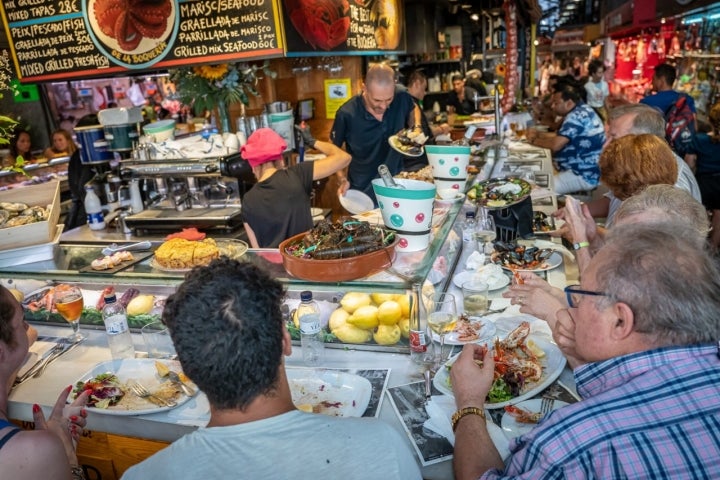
{"x": 677, "y": 103}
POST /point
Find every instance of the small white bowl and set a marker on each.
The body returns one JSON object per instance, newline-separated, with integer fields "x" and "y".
{"x": 447, "y": 193}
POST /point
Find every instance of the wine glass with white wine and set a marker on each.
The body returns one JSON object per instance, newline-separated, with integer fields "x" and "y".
{"x": 69, "y": 303}
{"x": 442, "y": 318}
{"x": 485, "y": 231}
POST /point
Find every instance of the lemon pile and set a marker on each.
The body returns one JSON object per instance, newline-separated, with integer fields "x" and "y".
{"x": 362, "y": 317}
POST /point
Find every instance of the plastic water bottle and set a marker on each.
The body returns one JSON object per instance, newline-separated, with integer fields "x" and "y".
{"x": 308, "y": 312}
{"x": 93, "y": 209}
{"x": 116, "y": 327}
{"x": 469, "y": 228}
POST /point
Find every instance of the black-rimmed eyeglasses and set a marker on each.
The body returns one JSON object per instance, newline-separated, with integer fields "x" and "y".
{"x": 573, "y": 293}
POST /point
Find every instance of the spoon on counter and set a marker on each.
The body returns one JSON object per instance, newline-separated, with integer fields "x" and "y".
{"x": 114, "y": 247}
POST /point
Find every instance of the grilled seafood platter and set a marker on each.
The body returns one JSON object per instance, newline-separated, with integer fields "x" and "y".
{"x": 520, "y": 257}
{"x": 409, "y": 142}
{"x": 349, "y": 238}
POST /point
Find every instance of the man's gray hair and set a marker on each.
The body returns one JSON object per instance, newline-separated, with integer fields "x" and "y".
{"x": 670, "y": 285}
{"x": 647, "y": 119}
{"x": 666, "y": 203}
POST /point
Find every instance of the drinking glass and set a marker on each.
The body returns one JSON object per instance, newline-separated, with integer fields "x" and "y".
{"x": 526, "y": 173}
{"x": 69, "y": 303}
{"x": 157, "y": 340}
{"x": 475, "y": 298}
{"x": 442, "y": 317}
{"x": 485, "y": 232}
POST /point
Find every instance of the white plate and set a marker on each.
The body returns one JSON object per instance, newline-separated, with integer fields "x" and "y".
{"x": 355, "y": 201}
{"x": 485, "y": 334}
{"x": 553, "y": 262}
{"x": 463, "y": 277}
{"x": 445, "y": 202}
{"x": 314, "y": 212}
{"x": 394, "y": 142}
{"x": 513, "y": 428}
{"x": 553, "y": 363}
{"x": 141, "y": 370}
{"x": 344, "y": 394}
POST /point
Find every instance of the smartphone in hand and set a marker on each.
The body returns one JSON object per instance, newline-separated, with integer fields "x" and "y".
{"x": 574, "y": 205}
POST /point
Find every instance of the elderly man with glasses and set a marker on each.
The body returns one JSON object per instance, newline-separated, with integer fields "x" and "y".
{"x": 646, "y": 322}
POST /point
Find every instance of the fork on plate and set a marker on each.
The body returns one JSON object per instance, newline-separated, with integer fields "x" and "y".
{"x": 546, "y": 406}
{"x": 143, "y": 392}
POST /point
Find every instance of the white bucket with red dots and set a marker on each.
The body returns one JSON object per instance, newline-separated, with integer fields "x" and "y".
{"x": 408, "y": 211}
{"x": 449, "y": 165}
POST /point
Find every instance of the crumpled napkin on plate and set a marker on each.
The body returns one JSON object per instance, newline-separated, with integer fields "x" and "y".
{"x": 440, "y": 409}
{"x": 475, "y": 261}
{"x": 490, "y": 274}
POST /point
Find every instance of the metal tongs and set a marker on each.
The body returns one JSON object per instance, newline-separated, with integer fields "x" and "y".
{"x": 114, "y": 247}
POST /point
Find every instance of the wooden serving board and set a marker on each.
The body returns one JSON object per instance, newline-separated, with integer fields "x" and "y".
{"x": 138, "y": 257}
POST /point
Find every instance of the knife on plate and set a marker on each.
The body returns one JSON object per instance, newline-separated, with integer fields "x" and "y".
{"x": 175, "y": 378}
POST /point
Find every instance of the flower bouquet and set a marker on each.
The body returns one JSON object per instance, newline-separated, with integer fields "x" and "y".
{"x": 206, "y": 87}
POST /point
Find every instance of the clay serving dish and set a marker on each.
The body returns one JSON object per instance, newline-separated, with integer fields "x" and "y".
{"x": 336, "y": 270}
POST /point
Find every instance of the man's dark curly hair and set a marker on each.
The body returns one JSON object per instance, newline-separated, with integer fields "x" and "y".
{"x": 226, "y": 324}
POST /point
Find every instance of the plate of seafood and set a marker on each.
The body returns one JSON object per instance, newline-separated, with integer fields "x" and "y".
{"x": 468, "y": 330}
{"x": 408, "y": 142}
{"x": 521, "y": 417}
{"x": 514, "y": 257}
{"x": 500, "y": 192}
{"x": 524, "y": 367}
{"x": 336, "y": 252}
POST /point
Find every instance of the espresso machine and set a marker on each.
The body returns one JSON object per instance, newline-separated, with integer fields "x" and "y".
{"x": 204, "y": 193}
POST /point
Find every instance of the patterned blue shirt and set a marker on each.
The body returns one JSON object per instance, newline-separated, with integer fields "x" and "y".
{"x": 586, "y": 134}
{"x": 652, "y": 414}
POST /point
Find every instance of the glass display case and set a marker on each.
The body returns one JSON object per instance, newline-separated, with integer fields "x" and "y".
{"x": 70, "y": 264}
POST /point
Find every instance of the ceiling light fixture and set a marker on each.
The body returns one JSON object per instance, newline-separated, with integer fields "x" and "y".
{"x": 475, "y": 17}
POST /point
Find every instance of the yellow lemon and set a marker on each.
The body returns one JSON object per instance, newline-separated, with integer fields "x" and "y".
{"x": 351, "y": 301}
{"x": 379, "y": 298}
{"x": 364, "y": 317}
{"x": 404, "y": 325}
{"x": 404, "y": 301}
{"x": 389, "y": 313}
{"x": 352, "y": 334}
{"x": 535, "y": 348}
{"x": 387, "y": 335}
{"x": 305, "y": 407}
{"x": 338, "y": 319}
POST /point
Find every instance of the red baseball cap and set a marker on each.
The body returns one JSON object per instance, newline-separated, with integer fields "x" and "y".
{"x": 264, "y": 145}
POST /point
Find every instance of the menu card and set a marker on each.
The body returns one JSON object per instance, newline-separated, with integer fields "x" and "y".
{"x": 61, "y": 39}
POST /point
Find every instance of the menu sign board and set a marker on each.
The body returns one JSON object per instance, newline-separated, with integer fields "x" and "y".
{"x": 321, "y": 27}
{"x": 60, "y": 39}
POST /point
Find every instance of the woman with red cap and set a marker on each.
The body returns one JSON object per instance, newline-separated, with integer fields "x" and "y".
{"x": 278, "y": 205}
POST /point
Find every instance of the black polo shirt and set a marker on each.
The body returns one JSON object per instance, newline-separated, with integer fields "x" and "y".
{"x": 366, "y": 138}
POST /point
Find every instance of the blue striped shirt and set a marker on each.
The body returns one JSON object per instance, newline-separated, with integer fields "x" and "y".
{"x": 652, "y": 414}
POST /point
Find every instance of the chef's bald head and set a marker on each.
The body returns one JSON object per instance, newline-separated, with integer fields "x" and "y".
{"x": 380, "y": 74}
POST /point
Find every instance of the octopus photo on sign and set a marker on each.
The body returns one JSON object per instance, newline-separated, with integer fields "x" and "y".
{"x": 324, "y": 24}
{"x": 131, "y": 26}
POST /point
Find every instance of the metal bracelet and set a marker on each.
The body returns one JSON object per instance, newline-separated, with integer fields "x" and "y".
{"x": 77, "y": 472}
